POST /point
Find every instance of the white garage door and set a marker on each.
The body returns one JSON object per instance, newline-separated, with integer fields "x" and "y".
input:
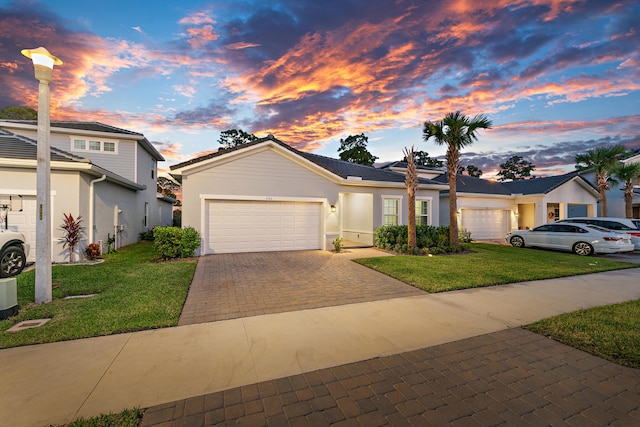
{"x": 24, "y": 221}
{"x": 485, "y": 224}
{"x": 258, "y": 226}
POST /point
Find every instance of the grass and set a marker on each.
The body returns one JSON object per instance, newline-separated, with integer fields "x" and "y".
{"x": 611, "y": 332}
{"x": 134, "y": 292}
{"x": 487, "y": 265}
{"x": 126, "y": 418}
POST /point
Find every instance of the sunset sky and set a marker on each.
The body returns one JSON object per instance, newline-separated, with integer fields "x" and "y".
{"x": 556, "y": 77}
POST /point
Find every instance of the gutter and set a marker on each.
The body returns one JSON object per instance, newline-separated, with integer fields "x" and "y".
{"x": 91, "y": 204}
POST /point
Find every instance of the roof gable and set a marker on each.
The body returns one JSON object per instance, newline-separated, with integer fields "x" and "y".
{"x": 339, "y": 169}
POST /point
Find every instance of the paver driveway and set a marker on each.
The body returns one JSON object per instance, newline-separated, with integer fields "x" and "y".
{"x": 229, "y": 286}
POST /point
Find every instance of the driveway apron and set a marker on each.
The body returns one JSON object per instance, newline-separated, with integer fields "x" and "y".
{"x": 230, "y": 286}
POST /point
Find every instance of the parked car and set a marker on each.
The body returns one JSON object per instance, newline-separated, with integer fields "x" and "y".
{"x": 13, "y": 253}
{"x": 581, "y": 239}
{"x": 625, "y": 225}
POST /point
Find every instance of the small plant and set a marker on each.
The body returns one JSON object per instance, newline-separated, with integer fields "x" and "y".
{"x": 464, "y": 236}
{"x": 175, "y": 242}
{"x": 73, "y": 233}
{"x": 146, "y": 235}
{"x": 337, "y": 244}
{"x": 92, "y": 251}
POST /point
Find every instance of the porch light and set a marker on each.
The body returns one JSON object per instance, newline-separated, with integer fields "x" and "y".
{"x": 333, "y": 208}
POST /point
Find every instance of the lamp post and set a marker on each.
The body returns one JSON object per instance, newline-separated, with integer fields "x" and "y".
{"x": 43, "y": 63}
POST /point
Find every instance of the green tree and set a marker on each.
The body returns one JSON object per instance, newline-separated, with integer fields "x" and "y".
{"x": 629, "y": 175}
{"x": 474, "y": 171}
{"x": 421, "y": 158}
{"x": 18, "y": 113}
{"x": 354, "y": 149}
{"x": 234, "y": 137}
{"x": 167, "y": 187}
{"x": 515, "y": 168}
{"x": 603, "y": 161}
{"x": 411, "y": 182}
{"x": 456, "y": 131}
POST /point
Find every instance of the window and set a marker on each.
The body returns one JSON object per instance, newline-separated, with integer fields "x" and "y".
{"x": 153, "y": 168}
{"x": 391, "y": 211}
{"x": 94, "y": 145}
{"x": 422, "y": 212}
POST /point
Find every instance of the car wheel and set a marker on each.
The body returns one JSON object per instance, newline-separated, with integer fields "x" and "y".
{"x": 12, "y": 261}
{"x": 582, "y": 248}
{"x": 517, "y": 242}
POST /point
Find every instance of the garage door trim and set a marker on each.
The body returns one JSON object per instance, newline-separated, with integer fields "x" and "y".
{"x": 206, "y": 198}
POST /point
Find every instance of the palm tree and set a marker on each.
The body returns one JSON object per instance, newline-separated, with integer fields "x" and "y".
{"x": 411, "y": 182}
{"x": 603, "y": 161}
{"x": 628, "y": 174}
{"x": 456, "y": 131}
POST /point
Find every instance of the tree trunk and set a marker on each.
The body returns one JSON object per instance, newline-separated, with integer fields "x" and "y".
{"x": 411, "y": 182}
{"x": 604, "y": 210}
{"x": 628, "y": 202}
{"x": 453, "y": 210}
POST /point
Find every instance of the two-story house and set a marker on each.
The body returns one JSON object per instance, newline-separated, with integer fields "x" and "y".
{"x": 105, "y": 174}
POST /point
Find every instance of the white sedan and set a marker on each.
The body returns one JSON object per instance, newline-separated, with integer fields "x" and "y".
{"x": 581, "y": 239}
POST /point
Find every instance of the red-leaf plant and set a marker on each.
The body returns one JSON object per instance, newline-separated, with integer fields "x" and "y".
{"x": 73, "y": 233}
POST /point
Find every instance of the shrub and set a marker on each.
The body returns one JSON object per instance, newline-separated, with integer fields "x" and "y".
{"x": 337, "y": 244}
{"x": 92, "y": 251}
{"x": 429, "y": 239}
{"x": 174, "y": 242}
{"x": 146, "y": 235}
{"x": 189, "y": 242}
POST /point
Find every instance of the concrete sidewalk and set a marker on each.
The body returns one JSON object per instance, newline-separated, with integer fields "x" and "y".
{"x": 59, "y": 382}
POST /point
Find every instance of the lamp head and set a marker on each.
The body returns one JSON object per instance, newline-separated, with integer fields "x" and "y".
{"x": 43, "y": 62}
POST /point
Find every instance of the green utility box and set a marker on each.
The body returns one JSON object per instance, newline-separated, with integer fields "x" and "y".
{"x": 8, "y": 297}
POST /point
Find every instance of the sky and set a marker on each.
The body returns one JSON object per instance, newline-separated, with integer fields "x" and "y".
{"x": 556, "y": 77}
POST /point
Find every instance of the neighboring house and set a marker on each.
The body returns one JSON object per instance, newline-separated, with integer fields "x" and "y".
{"x": 267, "y": 196}
{"x": 615, "y": 194}
{"x": 490, "y": 209}
{"x": 105, "y": 174}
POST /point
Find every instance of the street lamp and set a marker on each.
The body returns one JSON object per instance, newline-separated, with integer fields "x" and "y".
{"x": 43, "y": 63}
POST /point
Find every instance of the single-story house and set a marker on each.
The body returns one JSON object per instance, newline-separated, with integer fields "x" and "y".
{"x": 615, "y": 194}
{"x": 490, "y": 209}
{"x": 267, "y": 196}
{"x": 104, "y": 174}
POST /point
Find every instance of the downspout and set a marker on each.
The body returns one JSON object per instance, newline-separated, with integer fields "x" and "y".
{"x": 91, "y": 203}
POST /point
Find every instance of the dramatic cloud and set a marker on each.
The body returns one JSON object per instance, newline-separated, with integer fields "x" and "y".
{"x": 312, "y": 72}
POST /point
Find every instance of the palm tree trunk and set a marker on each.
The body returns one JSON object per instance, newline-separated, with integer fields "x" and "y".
{"x": 628, "y": 202}
{"x": 604, "y": 210}
{"x": 453, "y": 210}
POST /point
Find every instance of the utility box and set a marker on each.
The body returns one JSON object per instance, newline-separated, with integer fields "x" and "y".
{"x": 8, "y": 297}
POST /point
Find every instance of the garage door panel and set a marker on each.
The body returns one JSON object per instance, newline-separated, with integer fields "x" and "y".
{"x": 485, "y": 224}
{"x": 249, "y": 226}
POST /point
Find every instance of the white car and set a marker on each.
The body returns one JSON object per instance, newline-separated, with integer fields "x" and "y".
{"x": 13, "y": 253}
{"x": 623, "y": 225}
{"x": 581, "y": 239}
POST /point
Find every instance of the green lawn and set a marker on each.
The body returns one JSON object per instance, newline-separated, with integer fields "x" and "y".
{"x": 487, "y": 265}
{"x": 611, "y": 332}
{"x": 134, "y": 292}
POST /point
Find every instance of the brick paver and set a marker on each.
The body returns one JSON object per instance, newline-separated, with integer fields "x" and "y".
{"x": 512, "y": 377}
{"x": 229, "y": 286}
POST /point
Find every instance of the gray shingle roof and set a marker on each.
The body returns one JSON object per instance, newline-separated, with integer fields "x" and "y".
{"x": 97, "y": 127}
{"x": 338, "y": 167}
{"x": 468, "y": 184}
{"x": 14, "y": 146}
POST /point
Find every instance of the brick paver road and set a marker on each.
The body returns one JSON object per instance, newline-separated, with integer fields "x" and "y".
{"x": 512, "y": 377}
